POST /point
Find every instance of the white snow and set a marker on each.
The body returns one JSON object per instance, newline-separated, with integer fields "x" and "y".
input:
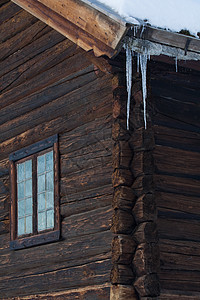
{"x": 173, "y": 15}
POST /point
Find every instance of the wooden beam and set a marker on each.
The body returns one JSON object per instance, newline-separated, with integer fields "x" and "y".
{"x": 83, "y": 32}
{"x": 89, "y": 19}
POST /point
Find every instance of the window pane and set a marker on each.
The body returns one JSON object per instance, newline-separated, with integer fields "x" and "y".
{"x": 41, "y": 221}
{"x": 21, "y": 208}
{"x": 29, "y": 206}
{"x": 50, "y": 219}
{"x": 20, "y": 172}
{"x": 49, "y": 200}
{"x": 41, "y": 202}
{"x": 28, "y": 169}
{"x": 29, "y": 224}
{"x": 41, "y": 183}
{"x": 20, "y": 190}
{"x": 21, "y": 227}
{"x": 49, "y": 181}
{"x": 28, "y": 188}
{"x": 49, "y": 161}
{"x": 41, "y": 164}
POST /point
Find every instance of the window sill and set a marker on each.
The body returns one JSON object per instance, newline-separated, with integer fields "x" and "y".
{"x": 35, "y": 240}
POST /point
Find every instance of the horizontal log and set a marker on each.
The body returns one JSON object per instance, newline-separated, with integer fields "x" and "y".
{"x": 182, "y": 281}
{"x": 85, "y": 179}
{"x": 122, "y": 177}
{"x": 121, "y": 274}
{"x": 142, "y": 140}
{"x": 8, "y": 10}
{"x": 147, "y": 285}
{"x": 177, "y": 138}
{"x": 17, "y": 23}
{"x": 37, "y": 65}
{"x": 87, "y": 223}
{"x": 4, "y": 167}
{"x": 99, "y": 292}
{"x": 175, "y": 161}
{"x": 123, "y": 198}
{"x": 122, "y": 155}
{"x": 85, "y": 205}
{"x": 169, "y": 228}
{"x": 94, "y": 273}
{"x": 86, "y": 136}
{"x": 189, "y": 248}
{"x": 184, "y": 295}
{"x": 122, "y": 292}
{"x": 28, "y": 261}
{"x": 4, "y": 186}
{"x": 146, "y": 259}
{"x": 146, "y": 233}
{"x": 177, "y": 185}
{"x": 145, "y": 209}
{"x": 123, "y": 248}
{"x": 179, "y": 203}
{"x": 123, "y": 222}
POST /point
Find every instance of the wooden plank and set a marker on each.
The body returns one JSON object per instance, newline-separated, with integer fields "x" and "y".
{"x": 93, "y": 21}
{"x": 70, "y": 30}
{"x": 175, "y": 161}
{"x": 184, "y": 295}
{"x": 171, "y": 39}
{"x": 94, "y": 273}
{"x": 4, "y": 167}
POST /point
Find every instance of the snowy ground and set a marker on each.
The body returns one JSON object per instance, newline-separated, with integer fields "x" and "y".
{"x": 174, "y": 15}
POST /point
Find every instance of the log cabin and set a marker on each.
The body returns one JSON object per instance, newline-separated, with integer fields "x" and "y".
{"x": 91, "y": 209}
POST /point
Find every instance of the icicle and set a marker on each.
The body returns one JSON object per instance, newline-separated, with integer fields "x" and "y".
{"x": 138, "y": 62}
{"x": 143, "y": 66}
{"x": 141, "y": 33}
{"x": 128, "y": 79}
{"x": 176, "y": 63}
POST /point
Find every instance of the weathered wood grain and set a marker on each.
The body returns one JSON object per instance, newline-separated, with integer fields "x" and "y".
{"x": 172, "y": 160}
{"x": 145, "y": 209}
{"x": 121, "y": 274}
{"x": 95, "y": 273}
{"x": 8, "y": 10}
{"x": 123, "y": 249}
{"x": 122, "y": 292}
{"x": 147, "y": 285}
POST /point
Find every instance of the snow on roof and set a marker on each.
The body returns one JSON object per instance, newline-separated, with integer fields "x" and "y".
{"x": 174, "y": 15}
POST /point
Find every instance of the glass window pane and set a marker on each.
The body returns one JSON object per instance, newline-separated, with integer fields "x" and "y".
{"x": 20, "y": 190}
{"x": 28, "y": 169}
{"x": 21, "y": 227}
{"x": 20, "y": 172}
{"x": 50, "y": 219}
{"x": 49, "y": 199}
{"x": 49, "y": 181}
{"x": 41, "y": 202}
{"x": 28, "y": 188}
{"x": 49, "y": 161}
{"x": 41, "y": 221}
{"x": 21, "y": 208}
{"x": 29, "y": 206}
{"x": 41, "y": 164}
{"x": 41, "y": 183}
{"x": 29, "y": 224}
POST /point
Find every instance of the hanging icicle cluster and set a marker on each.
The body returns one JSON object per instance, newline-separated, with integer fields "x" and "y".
{"x": 142, "y": 64}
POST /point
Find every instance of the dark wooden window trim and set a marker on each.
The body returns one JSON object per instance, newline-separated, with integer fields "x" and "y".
{"x": 48, "y": 235}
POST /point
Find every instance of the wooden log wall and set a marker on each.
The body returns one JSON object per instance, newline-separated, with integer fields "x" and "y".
{"x": 135, "y": 252}
{"x": 49, "y": 86}
{"x": 176, "y": 113}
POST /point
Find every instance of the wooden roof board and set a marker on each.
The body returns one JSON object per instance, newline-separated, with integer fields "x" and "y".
{"x": 85, "y": 26}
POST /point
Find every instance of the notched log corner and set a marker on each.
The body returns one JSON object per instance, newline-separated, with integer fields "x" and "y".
{"x": 145, "y": 209}
{"x": 123, "y": 198}
{"x": 148, "y": 285}
{"x": 122, "y": 222}
{"x": 146, "y": 233}
{"x": 122, "y": 274}
{"x": 123, "y": 249}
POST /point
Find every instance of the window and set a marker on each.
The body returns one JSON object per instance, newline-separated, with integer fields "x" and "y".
{"x": 35, "y": 194}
